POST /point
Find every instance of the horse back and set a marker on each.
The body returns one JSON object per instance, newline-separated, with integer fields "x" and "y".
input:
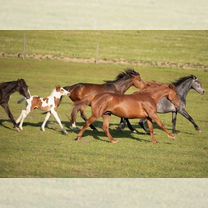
{"x": 82, "y": 90}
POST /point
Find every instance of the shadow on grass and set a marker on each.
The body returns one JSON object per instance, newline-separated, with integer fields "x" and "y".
{"x": 98, "y": 134}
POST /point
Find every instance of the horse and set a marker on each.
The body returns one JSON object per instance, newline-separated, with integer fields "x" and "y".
{"x": 49, "y": 104}
{"x": 136, "y": 105}
{"x": 87, "y": 91}
{"x": 8, "y": 88}
{"x": 183, "y": 86}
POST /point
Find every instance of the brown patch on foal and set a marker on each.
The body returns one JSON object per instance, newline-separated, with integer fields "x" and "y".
{"x": 57, "y": 102}
{"x": 37, "y": 104}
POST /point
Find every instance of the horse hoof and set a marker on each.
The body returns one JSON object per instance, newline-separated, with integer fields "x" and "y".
{"x": 155, "y": 142}
{"x": 134, "y": 132}
{"x": 65, "y": 132}
{"x": 114, "y": 141}
{"x": 172, "y": 137}
{"x": 18, "y": 129}
{"x": 73, "y": 126}
{"x": 78, "y": 139}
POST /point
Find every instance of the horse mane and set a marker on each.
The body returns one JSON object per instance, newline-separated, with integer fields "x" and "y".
{"x": 182, "y": 79}
{"x": 128, "y": 73}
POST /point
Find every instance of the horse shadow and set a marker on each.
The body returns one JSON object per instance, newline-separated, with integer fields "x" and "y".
{"x": 98, "y": 134}
{"x": 155, "y": 126}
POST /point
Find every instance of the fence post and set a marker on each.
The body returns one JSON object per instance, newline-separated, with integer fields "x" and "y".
{"x": 24, "y": 46}
{"x": 97, "y": 52}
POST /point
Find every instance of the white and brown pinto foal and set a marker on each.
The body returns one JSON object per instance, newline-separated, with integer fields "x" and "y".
{"x": 48, "y": 104}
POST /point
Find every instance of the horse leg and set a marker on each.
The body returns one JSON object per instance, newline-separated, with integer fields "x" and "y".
{"x": 106, "y": 120}
{"x": 45, "y": 121}
{"x": 122, "y": 124}
{"x": 91, "y": 120}
{"x": 161, "y": 125}
{"x": 84, "y": 117}
{"x": 133, "y": 130}
{"x": 7, "y": 110}
{"x": 19, "y": 118}
{"x": 24, "y": 115}
{"x": 55, "y": 114}
{"x": 74, "y": 116}
{"x": 142, "y": 124}
{"x": 174, "y": 118}
{"x": 150, "y": 126}
{"x": 184, "y": 113}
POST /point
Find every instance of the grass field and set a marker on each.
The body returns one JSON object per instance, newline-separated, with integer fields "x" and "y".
{"x": 33, "y": 153}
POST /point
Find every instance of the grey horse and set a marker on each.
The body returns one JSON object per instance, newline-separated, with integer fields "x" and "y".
{"x": 183, "y": 86}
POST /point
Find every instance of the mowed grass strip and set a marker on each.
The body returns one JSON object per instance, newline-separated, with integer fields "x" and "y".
{"x": 33, "y": 153}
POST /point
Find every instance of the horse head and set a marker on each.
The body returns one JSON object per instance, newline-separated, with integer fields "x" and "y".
{"x": 23, "y": 88}
{"x": 61, "y": 91}
{"x": 136, "y": 79}
{"x": 196, "y": 85}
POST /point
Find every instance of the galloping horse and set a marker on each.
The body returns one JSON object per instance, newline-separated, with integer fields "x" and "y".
{"x": 87, "y": 91}
{"x": 49, "y": 105}
{"x": 137, "y": 105}
{"x": 6, "y": 89}
{"x": 183, "y": 86}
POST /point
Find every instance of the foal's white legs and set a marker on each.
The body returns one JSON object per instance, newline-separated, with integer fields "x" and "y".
{"x": 22, "y": 117}
{"x": 46, "y": 119}
{"x": 58, "y": 120}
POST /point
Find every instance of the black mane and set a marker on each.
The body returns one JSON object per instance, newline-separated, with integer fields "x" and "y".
{"x": 127, "y": 74}
{"x": 182, "y": 79}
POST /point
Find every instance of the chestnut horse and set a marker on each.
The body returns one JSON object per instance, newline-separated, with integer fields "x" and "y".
{"x": 137, "y": 105}
{"x": 87, "y": 91}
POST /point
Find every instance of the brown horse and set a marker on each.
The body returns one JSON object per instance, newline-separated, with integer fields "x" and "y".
{"x": 87, "y": 91}
{"x": 137, "y": 105}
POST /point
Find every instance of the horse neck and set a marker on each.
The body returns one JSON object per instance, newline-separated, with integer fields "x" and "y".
{"x": 159, "y": 94}
{"x": 184, "y": 88}
{"x": 55, "y": 94}
{"x": 123, "y": 85}
{"x": 11, "y": 87}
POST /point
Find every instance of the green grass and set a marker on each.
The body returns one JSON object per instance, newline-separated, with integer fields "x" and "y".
{"x": 161, "y": 46}
{"x": 33, "y": 153}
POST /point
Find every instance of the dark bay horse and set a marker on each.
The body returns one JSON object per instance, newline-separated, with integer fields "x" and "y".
{"x": 6, "y": 89}
{"x": 87, "y": 91}
{"x": 183, "y": 86}
{"x": 137, "y": 105}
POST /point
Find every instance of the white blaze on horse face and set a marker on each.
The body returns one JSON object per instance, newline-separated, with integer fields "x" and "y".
{"x": 63, "y": 91}
{"x": 29, "y": 92}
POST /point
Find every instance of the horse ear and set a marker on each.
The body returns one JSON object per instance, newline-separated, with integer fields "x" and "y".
{"x": 58, "y": 87}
